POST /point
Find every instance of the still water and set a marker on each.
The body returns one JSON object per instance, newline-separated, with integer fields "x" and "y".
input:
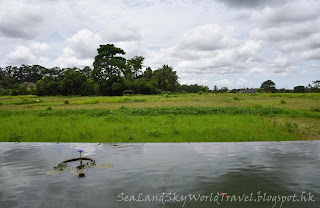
{"x": 163, "y": 175}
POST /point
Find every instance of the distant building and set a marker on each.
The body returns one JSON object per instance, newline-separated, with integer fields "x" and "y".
{"x": 28, "y": 85}
{"x": 253, "y": 90}
{"x": 128, "y": 92}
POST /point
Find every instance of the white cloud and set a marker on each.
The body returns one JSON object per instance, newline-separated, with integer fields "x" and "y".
{"x": 223, "y": 83}
{"x": 69, "y": 59}
{"x": 209, "y": 49}
{"x": 257, "y": 70}
{"x": 23, "y": 55}
{"x": 312, "y": 54}
{"x": 84, "y": 44}
{"x": 39, "y": 49}
{"x": 241, "y": 82}
{"x": 82, "y": 48}
{"x": 208, "y": 37}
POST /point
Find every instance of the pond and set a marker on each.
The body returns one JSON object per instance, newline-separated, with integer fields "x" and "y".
{"x": 253, "y": 174}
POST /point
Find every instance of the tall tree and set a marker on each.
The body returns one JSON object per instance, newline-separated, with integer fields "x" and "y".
{"x": 316, "y": 83}
{"x": 167, "y": 78}
{"x": 108, "y": 63}
{"x": 7, "y": 79}
{"x": 148, "y": 73}
{"x": 136, "y": 64}
{"x": 268, "y": 86}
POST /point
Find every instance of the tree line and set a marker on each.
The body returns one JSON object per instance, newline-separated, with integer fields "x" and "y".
{"x": 111, "y": 75}
{"x": 270, "y": 86}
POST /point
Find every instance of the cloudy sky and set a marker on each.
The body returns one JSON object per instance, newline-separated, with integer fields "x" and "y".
{"x": 228, "y": 43}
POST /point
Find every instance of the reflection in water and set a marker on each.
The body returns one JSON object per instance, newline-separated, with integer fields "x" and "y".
{"x": 77, "y": 166}
{"x": 277, "y": 168}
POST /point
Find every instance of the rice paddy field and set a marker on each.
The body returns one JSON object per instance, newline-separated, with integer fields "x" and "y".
{"x": 161, "y": 118}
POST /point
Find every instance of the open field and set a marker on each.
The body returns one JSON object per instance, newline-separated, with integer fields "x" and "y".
{"x": 161, "y": 118}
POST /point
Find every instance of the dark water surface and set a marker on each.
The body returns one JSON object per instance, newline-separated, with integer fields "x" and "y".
{"x": 166, "y": 171}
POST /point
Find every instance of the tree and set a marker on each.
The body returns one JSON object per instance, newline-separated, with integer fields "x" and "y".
{"x": 148, "y": 73}
{"x": 268, "y": 86}
{"x": 316, "y": 84}
{"x": 224, "y": 89}
{"x": 47, "y": 86}
{"x": 7, "y": 79}
{"x": 136, "y": 65}
{"x": 75, "y": 83}
{"x": 128, "y": 72}
{"x": 299, "y": 89}
{"x": 167, "y": 78}
{"x": 86, "y": 71}
{"x": 215, "y": 88}
{"x": 32, "y": 73}
{"x": 193, "y": 88}
{"x": 108, "y": 63}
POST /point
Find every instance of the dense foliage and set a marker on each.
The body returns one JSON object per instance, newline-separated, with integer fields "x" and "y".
{"x": 111, "y": 75}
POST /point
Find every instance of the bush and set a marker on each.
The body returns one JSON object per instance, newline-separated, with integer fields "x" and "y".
{"x": 66, "y": 102}
{"x": 5, "y": 92}
{"x": 316, "y": 109}
{"x": 283, "y": 102}
{"x": 200, "y": 92}
{"x": 236, "y": 98}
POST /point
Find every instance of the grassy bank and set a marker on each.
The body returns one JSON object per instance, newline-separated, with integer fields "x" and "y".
{"x": 162, "y": 118}
{"x": 305, "y": 101}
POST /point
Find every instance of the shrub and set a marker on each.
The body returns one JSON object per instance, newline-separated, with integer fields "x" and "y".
{"x": 283, "y": 102}
{"x": 316, "y": 109}
{"x": 236, "y": 98}
{"x": 66, "y": 102}
{"x": 15, "y": 137}
{"x": 200, "y": 92}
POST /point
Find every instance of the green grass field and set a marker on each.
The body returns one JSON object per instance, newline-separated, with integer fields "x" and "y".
{"x": 161, "y": 118}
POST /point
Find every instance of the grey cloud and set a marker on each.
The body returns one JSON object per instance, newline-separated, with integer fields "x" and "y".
{"x": 251, "y": 3}
{"x": 210, "y": 49}
{"x": 12, "y": 32}
{"x": 20, "y": 29}
{"x": 287, "y": 14}
{"x": 293, "y": 32}
{"x": 20, "y": 23}
{"x": 310, "y": 43}
{"x": 121, "y": 34}
{"x": 312, "y": 54}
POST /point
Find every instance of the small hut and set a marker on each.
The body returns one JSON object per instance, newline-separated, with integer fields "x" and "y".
{"x": 128, "y": 92}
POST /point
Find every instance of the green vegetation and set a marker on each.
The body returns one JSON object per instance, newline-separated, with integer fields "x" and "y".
{"x": 111, "y": 75}
{"x": 161, "y": 118}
